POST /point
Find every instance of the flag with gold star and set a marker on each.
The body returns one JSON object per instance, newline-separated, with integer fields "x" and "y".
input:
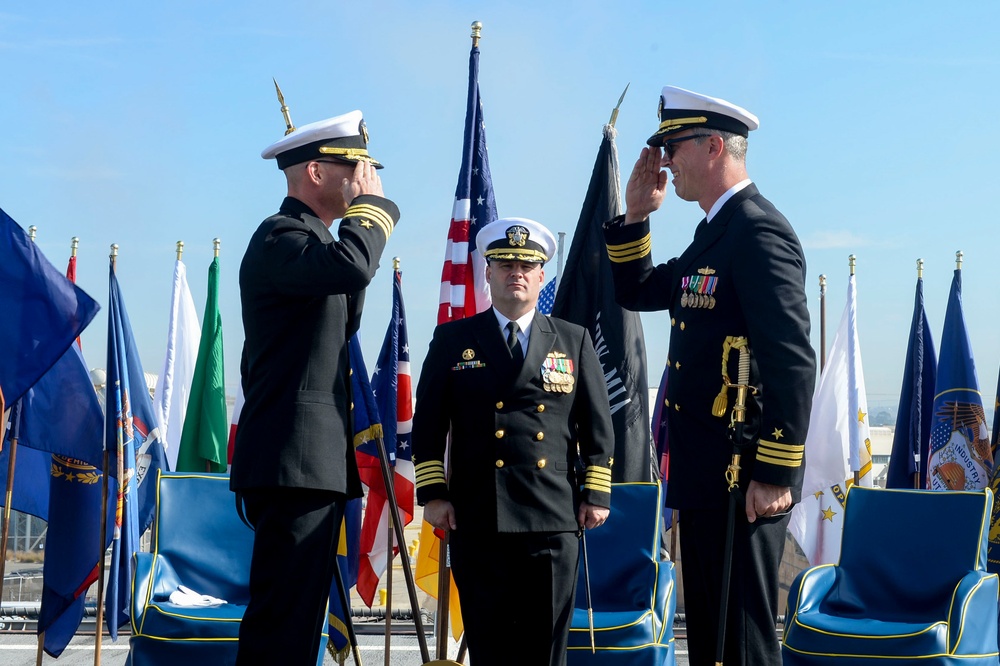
{"x": 837, "y": 445}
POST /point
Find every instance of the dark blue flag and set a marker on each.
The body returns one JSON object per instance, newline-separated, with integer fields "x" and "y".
{"x": 913, "y": 419}
{"x": 31, "y": 473}
{"x": 43, "y": 312}
{"x": 959, "y": 457}
{"x": 135, "y": 453}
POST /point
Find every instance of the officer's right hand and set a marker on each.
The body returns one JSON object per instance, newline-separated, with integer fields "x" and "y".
{"x": 365, "y": 180}
{"x": 441, "y": 514}
{"x": 646, "y": 186}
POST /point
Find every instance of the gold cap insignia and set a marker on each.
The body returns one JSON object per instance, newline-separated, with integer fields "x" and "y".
{"x": 468, "y": 354}
{"x": 517, "y": 236}
{"x": 364, "y": 131}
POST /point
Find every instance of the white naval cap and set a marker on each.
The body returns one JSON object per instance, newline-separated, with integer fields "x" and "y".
{"x": 682, "y": 109}
{"x": 343, "y": 138}
{"x": 516, "y": 239}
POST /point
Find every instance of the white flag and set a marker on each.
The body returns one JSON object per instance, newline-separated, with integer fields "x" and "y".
{"x": 837, "y": 444}
{"x": 173, "y": 387}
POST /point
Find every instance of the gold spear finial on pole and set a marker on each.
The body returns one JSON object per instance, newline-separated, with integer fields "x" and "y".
{"x": 852, "y": 261}
{"x": 395, "y": 263}
{"x": 477, "y": 29}
{"x": 216, "y": 243}
{"x": 958, "y": 260}
{"x": 32, "y": 231}
{"x": 920, "y": 269}
{"x": 180, "y": 249}
{"x": 614, "y": 113}
{"x": 74, "y": 243}
{"x": 289, "y": 127}
{"x": 822, "y": 284}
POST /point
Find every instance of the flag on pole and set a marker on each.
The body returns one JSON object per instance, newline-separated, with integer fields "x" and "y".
{"x": 348, "y": 553}
{"x": 173, "y": 386}
{"x": 136, "y": 454}
{"x": 464, "y": 291}
{"x": 586, "y": 297}
{"x": 393, "y": 392}
{"x": 913, "y": 419}
{"x": 43, "y": 312}
{"x": 204, "y": 440}
{"x": 960, "y": 456}
{"x": 63, "y": 407}
{"x": 837, "y": 444}
{"x": 547, "y": 297}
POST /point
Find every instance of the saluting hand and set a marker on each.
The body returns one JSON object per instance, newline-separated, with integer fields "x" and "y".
{"x": 364, "y": 181}
{"x": 646, "y": 186}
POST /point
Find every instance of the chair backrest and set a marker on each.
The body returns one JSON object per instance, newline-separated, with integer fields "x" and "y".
{"x": 198, "y": 532}
{"x": 625, "y": 551}
{"x": 906, "y": 549}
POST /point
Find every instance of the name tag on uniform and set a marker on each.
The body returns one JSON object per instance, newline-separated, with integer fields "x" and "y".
{"x": 557, "y": 373}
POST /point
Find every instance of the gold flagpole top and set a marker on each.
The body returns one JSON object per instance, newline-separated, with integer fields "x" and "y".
{"x": 958, "y": 260}
{"x": 32, "y": 231}
{"x": 395, "y": 263}
{"x": 920, "y": 269}
{"x": 477, "y": 29}
{"x": 74, "y": 243}
{"x": 215, "y": 246}
{"x": 614, "y": 113}
{"x": 180, "y": 249}
{"x": 289, "y": 127}
{"x": 822, "y": 285}
{"x": 852, "y": 261}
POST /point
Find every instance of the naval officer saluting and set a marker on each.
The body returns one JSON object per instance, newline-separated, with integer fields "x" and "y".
{"x": 293, "y": 462}
{"x": 523, "y": 397}
{"x": 743, "y": 275}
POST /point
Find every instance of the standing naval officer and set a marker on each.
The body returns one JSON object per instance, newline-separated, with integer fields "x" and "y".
{"x": 742, "y": 275}
{"x": 293, "y": 465}
{"x": 523, "y": 397}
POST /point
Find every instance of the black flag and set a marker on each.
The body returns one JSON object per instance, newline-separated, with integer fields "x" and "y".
{"x": 586, "y": 296}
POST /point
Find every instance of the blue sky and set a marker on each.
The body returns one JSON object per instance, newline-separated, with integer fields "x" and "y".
{"x": 141, "y": 124}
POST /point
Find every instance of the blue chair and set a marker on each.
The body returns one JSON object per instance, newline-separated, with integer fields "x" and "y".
{"x": 198, "y": 541}
{"x": 632, "y": 589}
{"x": 911, "y": 586}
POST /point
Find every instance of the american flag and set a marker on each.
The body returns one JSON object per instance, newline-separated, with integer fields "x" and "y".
{"x": 464, "y": 291}
{"x": 394, "y": 395}
{"x": 547, "y": 297}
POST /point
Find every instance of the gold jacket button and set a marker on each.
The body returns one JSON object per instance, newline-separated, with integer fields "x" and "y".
{"x": 500, "y": 433}
{"x": 683, "y": 326}
{"x": 678, "y": 365}
{"x": 541, "y": 463}
{"x": 677, "y": 407}
{"x": 666, "y": 402}
{"x": 500, "y": 405}
{"x": 499, "y": 464}
{"x": 540, "y": 436}
{"x": 540, "y": 408}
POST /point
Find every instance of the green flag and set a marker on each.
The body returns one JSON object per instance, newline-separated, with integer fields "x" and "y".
{"x": 206, "y": 425}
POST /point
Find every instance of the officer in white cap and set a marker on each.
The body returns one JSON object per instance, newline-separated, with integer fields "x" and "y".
{"x": 302, "y": 290}
{"x": 516, "y": 391}
{"x": 743, "y": 275}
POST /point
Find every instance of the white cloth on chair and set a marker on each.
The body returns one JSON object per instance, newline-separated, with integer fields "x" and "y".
{"x": 185, "y": 596}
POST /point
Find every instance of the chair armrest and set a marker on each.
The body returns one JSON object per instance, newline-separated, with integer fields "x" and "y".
{"x": 665, "y": 602}
{"x": 973, "y": 613}
{"x": 809, "y": 589}
{"x": 142, "y": 565}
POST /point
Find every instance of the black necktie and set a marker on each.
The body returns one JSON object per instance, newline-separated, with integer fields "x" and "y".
{"x": 513, "y": 344}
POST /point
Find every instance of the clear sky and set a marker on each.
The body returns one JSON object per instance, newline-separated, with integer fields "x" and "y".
{"x": 141, "y": 124}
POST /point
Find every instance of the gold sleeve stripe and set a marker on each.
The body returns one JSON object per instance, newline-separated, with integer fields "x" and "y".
{"x": 374, "y": 213}
{"x": 430, "y": 466}
{"x": 423, "y": 483}
{"x": 621, "y": 256}
{"x": 599, "y": 487}
{"x": 601, "y": 472}
{"x": 791, "y": 448}
{"x": 779, "y": 454}
{"x": 631, "y": 245}
{"x": 775, "y": 461}
{"x": 433, "y": 471}
{"x": 429, "y": 463}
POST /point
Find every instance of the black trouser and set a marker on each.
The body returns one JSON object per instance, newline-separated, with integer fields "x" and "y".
{"x": 517, "y": 593}
{"x": 294, "y": 551}
{"x": 751, "y": 639}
